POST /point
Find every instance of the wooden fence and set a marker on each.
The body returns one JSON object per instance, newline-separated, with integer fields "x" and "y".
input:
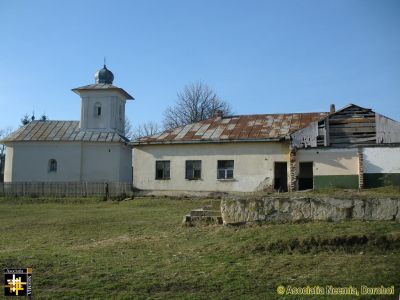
{"x": 66, "y": 189}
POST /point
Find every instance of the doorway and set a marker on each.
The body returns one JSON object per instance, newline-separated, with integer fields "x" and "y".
{"x": 280, "y": 177}
{"x": 306, "y": 176}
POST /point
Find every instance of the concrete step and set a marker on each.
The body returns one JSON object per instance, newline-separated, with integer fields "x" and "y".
{"x": 205, "y": 213}
{"x": 189, "y": 220}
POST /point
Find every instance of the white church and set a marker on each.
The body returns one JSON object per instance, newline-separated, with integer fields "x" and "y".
{"x": 93, "y": 149}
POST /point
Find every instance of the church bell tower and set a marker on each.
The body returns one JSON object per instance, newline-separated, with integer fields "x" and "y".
{"x": 103, "y": 104}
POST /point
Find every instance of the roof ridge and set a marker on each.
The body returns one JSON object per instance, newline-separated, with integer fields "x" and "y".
{"x": 273, "y": 114}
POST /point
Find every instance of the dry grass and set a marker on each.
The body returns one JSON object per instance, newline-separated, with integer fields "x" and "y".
{"x": 137, "y": 249}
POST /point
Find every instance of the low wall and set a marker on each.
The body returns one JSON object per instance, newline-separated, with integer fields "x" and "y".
{"x": 296, "y": 209}
{"x": 66, "y": 189}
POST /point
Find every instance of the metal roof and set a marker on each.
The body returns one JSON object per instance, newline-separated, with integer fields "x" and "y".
{"x": 102, "y": 86}
{"x": 66, "y": 131}
{"x": 246, "y": 128}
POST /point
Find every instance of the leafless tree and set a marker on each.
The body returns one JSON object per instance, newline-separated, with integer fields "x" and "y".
{"x": 196, "y": 102}
{"x": 128, "y": 129}
{"x": 146, "y": 129}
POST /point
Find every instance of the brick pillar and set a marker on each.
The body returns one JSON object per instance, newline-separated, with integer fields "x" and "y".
{"x": 292, "y": 170}
{"x": 360, "y": 168}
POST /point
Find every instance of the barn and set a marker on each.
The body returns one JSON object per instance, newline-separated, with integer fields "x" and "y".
{"x": 353, "y": 147}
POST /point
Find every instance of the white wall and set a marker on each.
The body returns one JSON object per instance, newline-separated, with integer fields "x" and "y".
{"x": 111, "y": 116}
{"x": 253, "y": 165}
{"x": 76, "y": 161}
{"x": 125, "y": 163}
{"x": 30, "y": 161}
{"x": 382, "y": 160}
{"x": 8, "y": 164}
{"x": 330, "y": 161}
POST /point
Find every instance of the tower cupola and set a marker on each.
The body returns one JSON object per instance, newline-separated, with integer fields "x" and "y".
{"x": 104, "y": 76}
{"x": 103, "y": 104}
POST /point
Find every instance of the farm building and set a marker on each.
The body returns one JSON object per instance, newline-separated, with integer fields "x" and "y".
{"x": 353, "y": 147}
{"x": 93, "y": 149}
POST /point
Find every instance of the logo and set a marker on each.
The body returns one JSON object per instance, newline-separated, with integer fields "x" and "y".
{"x": 18, "y": 282}
{"x": 280, "y": 290}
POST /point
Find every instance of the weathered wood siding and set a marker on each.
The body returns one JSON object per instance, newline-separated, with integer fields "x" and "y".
{"x": 387, "y": 130}
{"x": 352, "y": 125}
{"x": 348, "y": 127}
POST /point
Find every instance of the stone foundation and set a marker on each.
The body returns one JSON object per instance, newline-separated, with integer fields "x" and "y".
{"x": 297, "y": 209}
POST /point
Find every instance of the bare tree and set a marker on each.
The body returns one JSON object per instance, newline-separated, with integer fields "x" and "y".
{"x": 195, "y": 103}
{"x": 128, "y": 129}
{"x": 146, "y": 129}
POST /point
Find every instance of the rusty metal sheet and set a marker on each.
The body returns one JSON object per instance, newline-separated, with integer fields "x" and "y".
{"x": 217, "y": 132}
{"x": 184, "y": 131}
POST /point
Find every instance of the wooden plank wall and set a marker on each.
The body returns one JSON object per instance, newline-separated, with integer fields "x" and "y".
{"x": 387, "y": 130}
{"x": 65, "y": 189}
{"x": 353, "y": 125}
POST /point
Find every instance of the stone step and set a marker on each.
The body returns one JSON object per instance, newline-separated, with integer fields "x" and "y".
{"x": 205, "y": 213}
{"x": 189, "y": 220}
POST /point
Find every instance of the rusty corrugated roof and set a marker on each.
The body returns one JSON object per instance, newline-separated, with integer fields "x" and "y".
{"x": 61, "y": 131}
{"x": 235, "y": 128}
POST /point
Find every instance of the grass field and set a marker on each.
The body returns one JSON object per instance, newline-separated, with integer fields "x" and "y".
{"x": 137, "y": 249}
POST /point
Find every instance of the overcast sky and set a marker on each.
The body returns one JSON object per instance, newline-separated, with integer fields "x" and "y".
{"x": 260, "y": 56}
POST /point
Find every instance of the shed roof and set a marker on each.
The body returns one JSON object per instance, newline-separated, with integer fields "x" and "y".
{"x": 61, "y": 131}
{"x": 246, "y": 128}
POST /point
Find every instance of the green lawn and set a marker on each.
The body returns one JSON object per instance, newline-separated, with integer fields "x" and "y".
{"x": 137, "y": 249}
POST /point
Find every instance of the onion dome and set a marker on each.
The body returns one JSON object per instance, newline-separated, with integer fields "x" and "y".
{"x": 104, "y": 75}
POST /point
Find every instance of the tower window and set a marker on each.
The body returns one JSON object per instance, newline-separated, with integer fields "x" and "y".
{"x": 52, "y": 165}
{"x": 97, "y": 109}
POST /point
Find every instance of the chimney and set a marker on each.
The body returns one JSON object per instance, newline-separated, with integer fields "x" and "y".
{"x": 332, "y": 109}
{"x": 218, "y": 114}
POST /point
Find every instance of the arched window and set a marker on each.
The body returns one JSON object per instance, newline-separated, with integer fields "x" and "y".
{"x": 52, "y": 165}
{"x": 97, "y": 109}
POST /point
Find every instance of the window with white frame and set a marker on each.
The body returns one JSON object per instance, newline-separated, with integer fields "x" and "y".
{"x": 225, "y": 169}
{"x": 193, "y": 169}
{"x": 162, "y": 169}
